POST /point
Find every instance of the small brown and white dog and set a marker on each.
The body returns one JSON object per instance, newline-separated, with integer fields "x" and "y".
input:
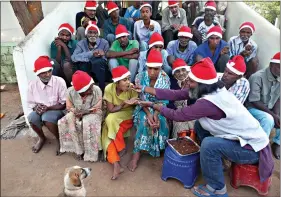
{"x": 73, "y": 181}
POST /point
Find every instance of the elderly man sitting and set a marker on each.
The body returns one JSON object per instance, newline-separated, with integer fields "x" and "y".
{"x": 61, "y": 50}
{"x": 89, "y": 55}
{"x": 264, "y": 100}
{"x": 83, "y": 18}
{"x": 124, "y": 52}
{"x": 46, "y": 99}
{"x": 173, "y": 18}
{"x": 245, "y": 46}
{"x": 182, "y": 48}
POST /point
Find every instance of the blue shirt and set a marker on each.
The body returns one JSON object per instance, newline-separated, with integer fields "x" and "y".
{"x": 142, "y": 60}
{"x": 236, "y": 46}
{"x": 187, "y": 55}
{"x": 132, "y": 12}
{"x": 109, "y": 28}
{"x": 204, "y": 51}
{"x": 82, "y": 53}
{"x": 141, "y": 33}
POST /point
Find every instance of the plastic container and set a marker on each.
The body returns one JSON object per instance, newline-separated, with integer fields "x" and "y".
{"x": 184, "y": 168}
{"x": 248, "y": 175}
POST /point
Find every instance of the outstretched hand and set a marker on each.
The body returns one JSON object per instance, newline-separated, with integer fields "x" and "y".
{"x": 137, "y": 88}
{"x": 132, "y": 101}
{"x": 145, "y": 103}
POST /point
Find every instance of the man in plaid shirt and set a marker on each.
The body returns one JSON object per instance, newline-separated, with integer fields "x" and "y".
{"x": 234, "y": 80}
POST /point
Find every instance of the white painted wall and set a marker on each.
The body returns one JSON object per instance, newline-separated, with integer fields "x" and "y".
{"x": 266, "y": 36}
{"x": 37, "y": 43}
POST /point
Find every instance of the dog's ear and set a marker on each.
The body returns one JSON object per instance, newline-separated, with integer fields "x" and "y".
{"x": 75, "y": 178}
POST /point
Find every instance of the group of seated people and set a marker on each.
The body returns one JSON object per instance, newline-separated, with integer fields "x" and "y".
{"x": 208, "y": 86}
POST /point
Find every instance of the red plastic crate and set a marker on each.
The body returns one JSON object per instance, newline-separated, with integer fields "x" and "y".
{"x": 248, "y": 175}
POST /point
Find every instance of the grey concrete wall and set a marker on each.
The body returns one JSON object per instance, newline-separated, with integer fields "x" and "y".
{"x": 8, "y": 73}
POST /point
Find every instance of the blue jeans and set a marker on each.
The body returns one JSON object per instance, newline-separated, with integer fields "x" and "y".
{"x": 213, "y": 149}
{"x": 267, "y": 123}
{"x": 111, "y": 38}
{"x": 133, "y": 66}
{"x": 52, "y": 116}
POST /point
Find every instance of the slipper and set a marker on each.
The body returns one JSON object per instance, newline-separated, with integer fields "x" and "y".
{"x": 211, "y": 194}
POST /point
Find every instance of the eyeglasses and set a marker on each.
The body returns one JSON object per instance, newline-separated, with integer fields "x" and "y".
{"x": 214, "y": 38}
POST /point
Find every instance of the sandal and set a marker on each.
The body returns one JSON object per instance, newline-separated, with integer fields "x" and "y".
{"x": 211, "y": 194}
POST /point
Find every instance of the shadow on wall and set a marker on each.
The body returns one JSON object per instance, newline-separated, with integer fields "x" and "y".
{"x": 8, "y": 72}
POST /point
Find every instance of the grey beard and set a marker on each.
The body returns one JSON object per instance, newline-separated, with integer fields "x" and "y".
{"x": 193, "y": 93}
{"x": 244, "y": 39}
{"x": 92, "y": 39}
{"x": 45, "y": 80}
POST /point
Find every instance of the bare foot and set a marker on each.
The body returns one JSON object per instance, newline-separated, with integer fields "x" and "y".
{"x": 133, "y": 164}
{"x": 37, "y": 147}
{"x": 122, "y": 152}
{"x": 117, "y": 170}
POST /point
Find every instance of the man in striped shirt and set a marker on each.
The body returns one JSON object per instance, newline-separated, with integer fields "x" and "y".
{"x": 234, "y": 80}
{"x": 245, "y": 46}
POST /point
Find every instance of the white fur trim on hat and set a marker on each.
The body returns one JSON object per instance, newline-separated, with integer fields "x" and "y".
{"x": 186, "y": 67}
{"x": 174, "y": 4}
{"x": 122, "y": 34}
{"x": 230, "y": 66}
{"x": 210, "y": 81}
{"x": 275, "y": 61}
{"x": 146, "y": 5}
{"x": 211, "y": 8}
{"x": 247, "y": 26}
{"x": 85, "y": 88}
{"x": 214, "y": 33}
{"x": 122, "y": 77}
{"x": 109, "y": 11}
{"x": 91, "y": 8}
{"x": 92, "y": 25}
{"x": 156, "y": 43}
{"x": 62, "y": 28}
{"x": 45, "y": 69}
{"x": 154, "y": 65}
{"x": 185, "y": 34}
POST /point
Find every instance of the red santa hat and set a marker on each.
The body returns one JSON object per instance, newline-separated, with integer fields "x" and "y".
{"x": 203, "y": 72}
{"x": 216, "y": 30}
{"x": 237, "y": 65}
{"x": 185, "y": 31}
{"x": 145, "y": 4}
{"x": 211, "y": 5}
{"x": 67, "y": 27}
{"x": 120, "y": 31}
{"x": 276, "y": 58}
{"x": 81, "y": 81}
{"x": 179, "y": 64}
{"x": 248, "y": 25}
{"x": 172, "y": 3}
{"x": 111, "y": 6}
{"x": 43, "y": 64}
{"x": 92, "y": 26}
{"x": 91, "y": 5}
{"x": 154, "y": 59}
{"x": 119, "y": 73}
{"x": 155, "y": 39}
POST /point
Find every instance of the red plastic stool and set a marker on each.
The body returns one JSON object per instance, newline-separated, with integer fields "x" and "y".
{"x": 248, "y": 175}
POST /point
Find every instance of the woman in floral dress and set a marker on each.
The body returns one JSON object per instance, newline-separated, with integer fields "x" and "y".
{"x": 80, "y": 128}
{"x": 152, "y": 128}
